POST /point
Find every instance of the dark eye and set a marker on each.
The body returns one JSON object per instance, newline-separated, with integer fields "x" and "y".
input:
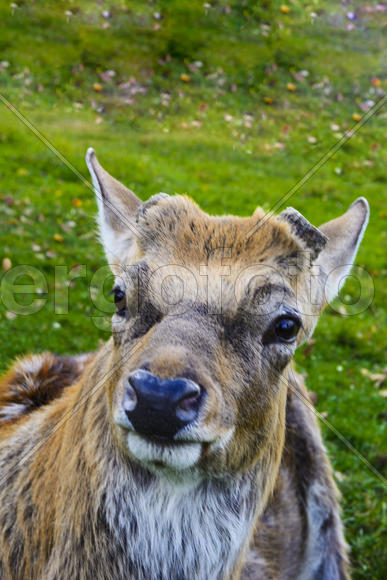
{"x": 286, "y": 329}
{"x": 119, "y": 300}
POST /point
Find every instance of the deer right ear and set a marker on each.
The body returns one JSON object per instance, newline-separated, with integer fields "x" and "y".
{"x": 344, "y": 235}
{"x": 117, "y": 208}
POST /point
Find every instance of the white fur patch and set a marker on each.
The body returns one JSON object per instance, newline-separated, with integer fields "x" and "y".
{"x": 170, "y": 531}
{"x": 179, "y": 457}
{"x": 12, "y": 410}
{"x": 31, "y": 365}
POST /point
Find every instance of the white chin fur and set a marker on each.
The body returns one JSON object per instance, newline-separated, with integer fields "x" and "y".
{"x": 176, "y": 457}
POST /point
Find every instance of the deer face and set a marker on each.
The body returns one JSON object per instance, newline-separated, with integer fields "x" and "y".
{"x": 209, "y": 312}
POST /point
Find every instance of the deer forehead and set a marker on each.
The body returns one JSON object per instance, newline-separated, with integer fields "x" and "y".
{"x": 182, "y": 253}
{"x": 176, "y": 228}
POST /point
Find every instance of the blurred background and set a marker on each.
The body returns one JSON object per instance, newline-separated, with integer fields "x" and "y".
{"x": 231, "y": 102}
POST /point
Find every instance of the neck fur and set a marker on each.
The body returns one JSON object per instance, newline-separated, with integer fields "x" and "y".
{"x": 163, "y": 528}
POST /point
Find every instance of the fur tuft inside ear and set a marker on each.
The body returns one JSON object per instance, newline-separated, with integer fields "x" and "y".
{"x": 117, "y": 209}
{"x": 344, "y": 236}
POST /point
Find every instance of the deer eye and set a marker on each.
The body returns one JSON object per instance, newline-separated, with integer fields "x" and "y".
{"x": 286, "y": 328}
{"x": 119, "y": 300}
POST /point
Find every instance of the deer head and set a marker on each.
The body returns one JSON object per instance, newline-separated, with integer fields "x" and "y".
{"x": 209, "y": 313}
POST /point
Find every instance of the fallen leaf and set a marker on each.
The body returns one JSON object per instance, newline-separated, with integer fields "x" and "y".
{"x": 66, "y": 227}
{"x": 366, "y": 106}
{"x": 268, "y": 100}
{"x": 375, "y": 82}
{"x": 291, "y": 87}
{"x": 8, "y": 200}
{"x": 10, "y": 315}
{"x": 285, "y": 9}
{"x": 58, "y": 238}
{"x": 97, "y": 87}
{"x": 185, "y": 78}
{"x": 107, "y": 76}
{"x": 77, "y": 202}
{"x": 378, "y": 378}
{"x": 356, "y": 117}
{"x": 6, "y": 264}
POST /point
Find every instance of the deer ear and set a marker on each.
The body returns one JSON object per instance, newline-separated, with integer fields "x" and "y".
{"x": 117, "y": 208}
{"x": 312, "y": 238}
{"x": 344, "y": 236}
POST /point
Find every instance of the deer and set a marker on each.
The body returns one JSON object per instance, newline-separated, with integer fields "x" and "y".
{"x": 186, "y": 446}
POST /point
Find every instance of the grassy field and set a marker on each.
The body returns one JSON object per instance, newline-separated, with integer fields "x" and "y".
{"x": 231, "y": 102}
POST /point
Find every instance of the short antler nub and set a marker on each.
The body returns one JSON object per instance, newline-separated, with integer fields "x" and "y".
{"x": 311, "y": 236}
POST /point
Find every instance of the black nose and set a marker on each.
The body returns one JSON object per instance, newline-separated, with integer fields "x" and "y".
{"x": 158, "y": 407}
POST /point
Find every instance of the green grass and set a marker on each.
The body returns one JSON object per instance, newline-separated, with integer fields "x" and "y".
{"x": 215, "y": 138}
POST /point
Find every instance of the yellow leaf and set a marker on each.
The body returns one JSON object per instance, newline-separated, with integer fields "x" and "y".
{"x": 285, "y": 9}
{"x": 58, "y": 238}
{"x": 6, "y": 264}
{"x": 268, "y": 100}
{"x": 97, "y": 87}
{"x": 185, "y": 78}
{"x": 77, "y": 202}
{"x": 356, "y": 117}
{"x": 291, "y": 87}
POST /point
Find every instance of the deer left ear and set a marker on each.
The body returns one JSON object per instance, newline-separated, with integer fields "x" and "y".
{"x": 117, "y": 208}
{"x": 344, "y": 235}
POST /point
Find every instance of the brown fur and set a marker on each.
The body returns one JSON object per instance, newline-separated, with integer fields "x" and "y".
{"x": 37, "y": 380}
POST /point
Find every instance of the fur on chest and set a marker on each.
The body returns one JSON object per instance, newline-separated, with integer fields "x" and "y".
{"x": 180, "y": 532}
